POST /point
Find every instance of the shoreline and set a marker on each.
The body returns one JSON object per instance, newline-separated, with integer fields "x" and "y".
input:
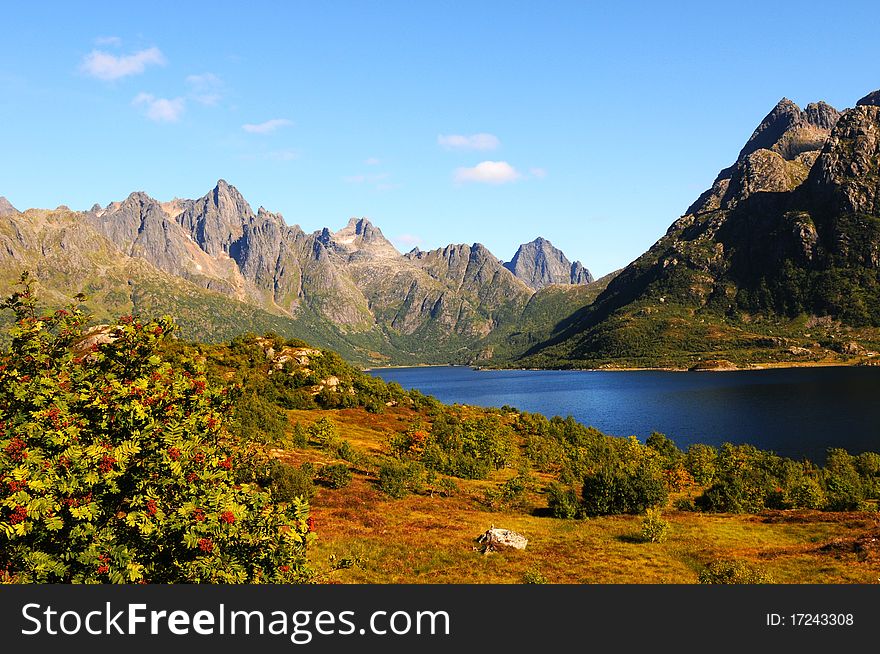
{"x": 773, "y": 365}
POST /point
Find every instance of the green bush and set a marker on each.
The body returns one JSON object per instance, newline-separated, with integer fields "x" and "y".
{"x": 288, "y": 482}
{"x": 335, "y": 475}
{"x": 701, "y": 461}
{"x": 299, "y": 437}
{"x": 323, "y": 431}
{"x": 533, "y": 576}
{"x": 654, "y": 527}
{"x": 844, "y": 488}
{"x": 807, "y": 494}
{"x": 447, "y": 487}
{"x": 563, "y": 501}
{"x": 613, "y": 491}
{"x": 734, "y": 572}
{"x": 510, "y": 495}
{"x": 398, "y": 479}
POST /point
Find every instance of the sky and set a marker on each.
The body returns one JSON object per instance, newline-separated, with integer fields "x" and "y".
{"x": 591, "y": 124}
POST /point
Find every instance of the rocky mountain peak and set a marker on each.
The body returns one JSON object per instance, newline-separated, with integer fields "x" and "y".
{"x": 777, "y": 157}
{"x": 873, "y": 98}
{"x": 539, "y": 264}
{"x": 215, "y": 221}
{"x": 821, "y": 115}
{"x": 362, "y": 237}
{"x": 6, "y": 207}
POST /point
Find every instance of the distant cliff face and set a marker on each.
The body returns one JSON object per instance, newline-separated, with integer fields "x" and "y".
{"x": 791, "y": 228}
{"x": 539, "y": 264}
{"x": 349, "y": 289}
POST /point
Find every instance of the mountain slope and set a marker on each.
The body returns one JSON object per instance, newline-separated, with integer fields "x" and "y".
{"x": 779, "y": 260}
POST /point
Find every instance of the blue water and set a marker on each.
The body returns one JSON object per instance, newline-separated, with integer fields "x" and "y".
{"x": 797, "y": 412}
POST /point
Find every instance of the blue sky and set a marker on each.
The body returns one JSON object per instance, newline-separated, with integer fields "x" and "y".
{"x": 592, "y": 124}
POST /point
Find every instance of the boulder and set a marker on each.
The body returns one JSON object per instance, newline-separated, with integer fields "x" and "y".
{"x": 495, "y": 539}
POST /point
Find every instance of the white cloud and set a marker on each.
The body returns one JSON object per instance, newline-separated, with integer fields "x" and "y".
{"x": 267, "y": 127}
{"x": 372, "y": 161}
{"x": 106, "y": 66}
{"x": 407, "y": 241}
{"x": 114, "y": 41}
{"x": 488, "y": 172}
{"x": 540, "y": 173}
{"x": 480, "y": 141}
{"x": 206, "y": 88}
{"x": 161, "y": 110}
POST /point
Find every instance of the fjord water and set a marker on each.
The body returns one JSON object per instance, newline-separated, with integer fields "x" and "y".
{"x": 797, "y": 412}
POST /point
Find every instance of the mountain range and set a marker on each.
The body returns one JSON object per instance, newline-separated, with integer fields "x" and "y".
{"x": 222, "y": 269}
{"x": 778, "y": 261}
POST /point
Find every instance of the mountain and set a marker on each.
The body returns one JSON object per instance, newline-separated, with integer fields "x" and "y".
{"x": 6, "y": 207}
{"x": 539, "y": 264}
{"x": 778, "y": 261}
{"x": 228, "y": 270}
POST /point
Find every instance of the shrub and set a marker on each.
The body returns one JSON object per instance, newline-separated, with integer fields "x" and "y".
{"x": 510, "y": 495}
{"x": 299, "y": 438}
{"x": 614, "y": 491}
{"x": 701, "y": 461}
{"x": 398, "y": 479}
{"x": 447, "y": 487}
{"x": 323, "y": 431}
{"x": 335, "y": 475}
{"x": 256, "y": 419}
{"x": 844, "y": 487}
{"x": 563, "y": 501}
{"x": 807, "y": 494}
{"x": 654, "y": 527}
{"x": 117, "y": 466}
{"x": 734, "y": 572}
{"x": 533, "y": 576}
{"x": 288, "y": 482}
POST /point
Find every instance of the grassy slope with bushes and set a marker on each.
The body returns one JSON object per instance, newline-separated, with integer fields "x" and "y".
{"x": 401, "y": 484}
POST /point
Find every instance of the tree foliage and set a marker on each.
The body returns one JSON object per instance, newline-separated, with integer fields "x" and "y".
{"x": 116, "y": 466}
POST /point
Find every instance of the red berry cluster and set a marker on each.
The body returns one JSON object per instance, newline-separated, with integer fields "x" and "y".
{"x": 226, "y": 463}
{"x": 227, "y": 517}
{"x": 15, "y": 486}
{"x": 198, "y": 457}
{"x": 18, "y": 515}
{"x": 103, "y": 568}
{"x": 206, "y": 545}
{"x": 77, "y": 501}
{"x": 199, "y": 515}
{"x": 16, "y": 449}
{"x": 107, "y": 463}
{"x": 173, "y": 453}
{"x": 151, "y": 507}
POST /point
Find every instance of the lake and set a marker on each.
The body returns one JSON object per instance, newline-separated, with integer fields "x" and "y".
{"x": 796, "y": 412}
